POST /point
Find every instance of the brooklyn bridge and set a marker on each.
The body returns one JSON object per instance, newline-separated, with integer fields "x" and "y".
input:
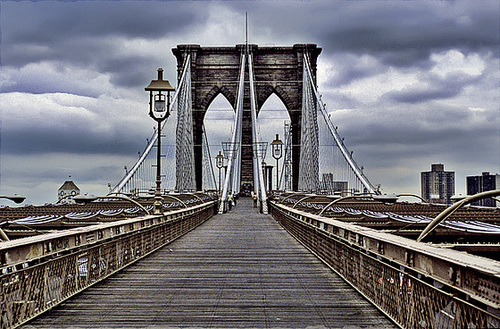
{"x": 228, "y": 243}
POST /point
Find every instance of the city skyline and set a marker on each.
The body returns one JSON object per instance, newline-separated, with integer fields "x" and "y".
{"x": 408, "y": 83}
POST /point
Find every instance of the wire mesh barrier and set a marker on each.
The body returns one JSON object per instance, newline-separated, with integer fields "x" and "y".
{"x": 338, "y": 169}
{"x": 40, "y": 272}
{"x": 416, "y": 285}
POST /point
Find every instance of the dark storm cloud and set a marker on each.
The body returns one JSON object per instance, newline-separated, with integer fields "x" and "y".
{"x": 413, "y": 126}
{"x": 414, "y": 81}
{"x": 414, "y": 138}
{"x": 94, "y": 173}
{"x": 350, "y": 67}
{"x": 462, "y": 148}
{"x": 421, "y": 95}
{"x": 406, "y": 33}
{"x": 68, "y": 141}
{"x": 401, "y": 33}
{"x": 91, "y": 34}
{"x": 57, "y": 22}
{"x": 128, "y": 71}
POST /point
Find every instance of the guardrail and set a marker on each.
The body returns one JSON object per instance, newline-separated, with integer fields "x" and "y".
{"x": 37, "y": 273}
{"x": 415, "y": 284}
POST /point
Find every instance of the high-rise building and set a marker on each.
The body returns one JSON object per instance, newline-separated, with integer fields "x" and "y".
{"x": 331, "y": 186}
{"x": 483, "y": 183}
{"x": 437, "y": 185}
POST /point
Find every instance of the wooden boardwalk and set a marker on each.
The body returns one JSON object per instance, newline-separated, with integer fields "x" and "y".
{"x": 238, "y": 270}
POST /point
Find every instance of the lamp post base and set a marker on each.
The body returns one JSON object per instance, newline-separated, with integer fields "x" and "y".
{"x": 157, "y": 206}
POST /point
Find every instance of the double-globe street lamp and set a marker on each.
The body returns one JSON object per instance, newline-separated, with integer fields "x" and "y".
{"x": 219, "y": 163}
{"x": 159, "y": 110}
{"x": 277, "y": 149}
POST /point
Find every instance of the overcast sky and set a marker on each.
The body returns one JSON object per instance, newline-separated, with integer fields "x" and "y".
{"x": 409, "y": 83}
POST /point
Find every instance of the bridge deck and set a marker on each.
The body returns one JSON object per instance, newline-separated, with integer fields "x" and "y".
{"x": 237, "y": 270}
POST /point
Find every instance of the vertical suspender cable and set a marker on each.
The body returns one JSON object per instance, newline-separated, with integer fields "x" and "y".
{"x": 258, "y": 155}
{"x": 211, "y": 172}
{"x": 352, "y": 164}
{"x": 235, "y": 142}
{"x": 118, "y": 188}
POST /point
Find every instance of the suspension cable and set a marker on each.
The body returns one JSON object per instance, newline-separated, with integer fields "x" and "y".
{"x": 257, "y": 154}
{"x": 348, "y": 157}
{"x": 235, "y": 141}
{"x": 209, "y": 156}
{"x": 152, "y": 142}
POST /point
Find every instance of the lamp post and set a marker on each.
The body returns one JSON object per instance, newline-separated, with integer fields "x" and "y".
{"x": 277, "y": 148}
{"x": 219, "y": 163}
{"x": 159, "y": 110}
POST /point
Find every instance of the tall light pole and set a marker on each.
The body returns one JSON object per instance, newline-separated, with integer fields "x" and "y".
{"x": 219, "y": 163}
{"x": 159, "y": 110}
{"x": 277, "y": 148}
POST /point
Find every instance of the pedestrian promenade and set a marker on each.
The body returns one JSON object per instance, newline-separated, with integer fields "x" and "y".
{"x": 237, "y": 270}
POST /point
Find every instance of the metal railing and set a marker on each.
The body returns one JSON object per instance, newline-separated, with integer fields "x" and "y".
{"x": 415, "y": 284}
{"x": 37, "y": 273}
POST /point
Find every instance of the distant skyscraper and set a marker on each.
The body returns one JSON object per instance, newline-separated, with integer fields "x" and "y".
{"x": 438, "y": 186}
{"x": 331, "y": 186}
{"x": 485, "y": 182}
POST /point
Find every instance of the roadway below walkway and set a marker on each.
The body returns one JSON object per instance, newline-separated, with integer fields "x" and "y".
{"x": 237, "y": 270}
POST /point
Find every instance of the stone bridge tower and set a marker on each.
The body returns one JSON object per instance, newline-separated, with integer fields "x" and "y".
{"x": 215, "y": 70}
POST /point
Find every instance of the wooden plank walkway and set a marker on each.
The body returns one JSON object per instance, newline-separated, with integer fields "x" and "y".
{"x": 238, "y": 270}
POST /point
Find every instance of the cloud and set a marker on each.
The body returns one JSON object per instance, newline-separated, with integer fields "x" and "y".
{"x": 60, "y": 122}
{"x": 451, "y": 72}
{"x": 53, "y": 77}
{"x": 453, "y": 63}
{"x": 407, "y": 33}
{"x": 44, "y": 173}
{"x": 342, "y": 69}
{"x": 408, "y": 83}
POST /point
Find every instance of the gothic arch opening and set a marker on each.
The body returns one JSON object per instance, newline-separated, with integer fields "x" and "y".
{"x": 271, "y": 120}
{"x": 218, "y": 121}
{"x": 276, "y": 70}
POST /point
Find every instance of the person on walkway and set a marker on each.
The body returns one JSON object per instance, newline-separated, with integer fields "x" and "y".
{"x": 255, "y": 198}
{"x": 230, "y": 201}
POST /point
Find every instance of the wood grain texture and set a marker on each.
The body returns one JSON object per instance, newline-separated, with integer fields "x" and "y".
{"x": 238, "y": 270}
